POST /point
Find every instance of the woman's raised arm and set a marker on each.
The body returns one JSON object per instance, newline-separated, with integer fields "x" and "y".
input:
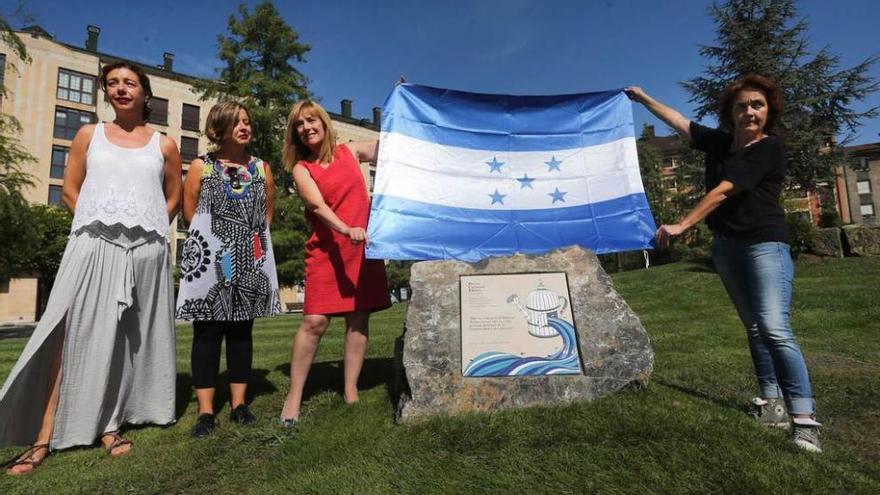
{"x": 670, "y": 116}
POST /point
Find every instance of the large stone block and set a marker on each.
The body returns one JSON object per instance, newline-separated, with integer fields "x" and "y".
{"x": 615, "y": 349}
{"x": 863, "y": 240}
{"x": 826, "y": 242}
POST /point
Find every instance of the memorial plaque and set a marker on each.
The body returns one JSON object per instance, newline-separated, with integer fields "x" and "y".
{"x": 612, "y": 348}
{"x": 517, "y": 324}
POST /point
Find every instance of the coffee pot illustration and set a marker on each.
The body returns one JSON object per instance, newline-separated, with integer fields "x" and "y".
{"x": 542, "y": 303}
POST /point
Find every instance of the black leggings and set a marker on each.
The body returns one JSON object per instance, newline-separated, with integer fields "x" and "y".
{"x": 205, "y": 358}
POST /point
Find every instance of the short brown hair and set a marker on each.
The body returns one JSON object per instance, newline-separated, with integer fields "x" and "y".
{"x": 142, "y": 77}
{"x": 294, "y": 149}
{"x": 221, "y": 118}
{"x": 752, "y": 82}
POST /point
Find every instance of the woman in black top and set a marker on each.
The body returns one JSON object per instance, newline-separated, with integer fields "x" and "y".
{"x": 745, "y": 170}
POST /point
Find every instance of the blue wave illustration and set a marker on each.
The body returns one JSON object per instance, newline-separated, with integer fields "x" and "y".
{"x": 563, "y": 362}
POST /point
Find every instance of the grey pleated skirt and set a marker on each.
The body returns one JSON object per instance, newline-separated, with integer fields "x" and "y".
{"x": 112, "y": 310}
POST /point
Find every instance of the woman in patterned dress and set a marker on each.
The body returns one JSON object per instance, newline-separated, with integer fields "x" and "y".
{"x": 339, "y": 280}
{"x": 228, "y": 268}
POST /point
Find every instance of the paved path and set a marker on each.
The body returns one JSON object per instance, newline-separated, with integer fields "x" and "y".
{"x": 16, "y": 331}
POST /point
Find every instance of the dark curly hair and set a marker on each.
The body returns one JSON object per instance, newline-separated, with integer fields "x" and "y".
{"x": 142, "y": 77}
{"x": 752, "y": 82}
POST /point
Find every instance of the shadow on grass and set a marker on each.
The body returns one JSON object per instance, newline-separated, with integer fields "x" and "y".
{"x": 184, "y": 394}
{"x": 702, "y": 395}
{"x": 326, "y": 376}
{"x": 258, "y": 385}
{"x": 701, "y": 265}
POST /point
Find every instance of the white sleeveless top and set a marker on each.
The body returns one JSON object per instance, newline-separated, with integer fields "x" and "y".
{"x": 123, "y": 186}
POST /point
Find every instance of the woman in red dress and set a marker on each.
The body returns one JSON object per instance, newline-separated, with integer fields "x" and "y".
{"x": 339, "y": 280}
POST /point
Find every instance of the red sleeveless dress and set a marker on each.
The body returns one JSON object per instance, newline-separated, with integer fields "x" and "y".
{"x": 338, "y": 277}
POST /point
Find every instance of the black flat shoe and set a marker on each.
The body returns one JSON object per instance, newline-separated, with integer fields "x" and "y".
{"x": 242, "y": 415}
{"x": 204, "y": 425}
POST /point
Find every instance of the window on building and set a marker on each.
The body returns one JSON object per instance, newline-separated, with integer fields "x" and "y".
{"x": 190, "y": 118}
{"x": 189, "y": 148}
{"x": 864, "y": 186}
{"x": 76, "y": 87}
{"x": 179, "y": 253}
{"x": 68, "y": 121}
{"x": 862, "y": 175}
{"x": 4, "y": 286}
{"x": 59, "y": 161}
{"x": 669, "y": 182}
{"x": 867, "y": 210}
{"x": 2, "y": 67}
{"x": 802, "y": 216}
{"x": 55, "y": 195}
{"x": 158, "y": 111}
{"x": 372, "y": 179}
{"x": 796, "y": 192}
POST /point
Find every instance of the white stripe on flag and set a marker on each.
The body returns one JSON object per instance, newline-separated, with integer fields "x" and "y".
{"x": 413, "y": 169}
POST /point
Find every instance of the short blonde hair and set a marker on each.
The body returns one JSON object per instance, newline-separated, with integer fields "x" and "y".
{"x": 294, "y": 149}
{"x": 221, "y": 118}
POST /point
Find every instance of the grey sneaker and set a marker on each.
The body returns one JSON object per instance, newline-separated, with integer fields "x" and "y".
{"x": 769, "y": 412}
{"x": 806, "y": 435}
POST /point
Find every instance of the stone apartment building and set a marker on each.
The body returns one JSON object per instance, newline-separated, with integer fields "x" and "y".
{"x": 58, "y": 92}
{"x": 858, "y": 185}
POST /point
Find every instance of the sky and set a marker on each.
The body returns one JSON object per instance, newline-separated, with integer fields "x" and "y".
{"x": 359, "y": 48}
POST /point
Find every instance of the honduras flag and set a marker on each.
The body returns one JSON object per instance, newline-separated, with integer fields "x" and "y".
{"x": 466, "y": 176}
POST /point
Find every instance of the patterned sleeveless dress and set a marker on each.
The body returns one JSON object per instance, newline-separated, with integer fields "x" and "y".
{"x": 227, "y": 266}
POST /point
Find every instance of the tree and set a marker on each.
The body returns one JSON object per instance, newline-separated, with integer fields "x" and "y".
{"x": 52, "y": 227}
{"x": 768, "y": 37}
{"x": 398, "y": 276}
{"x": 15, "y": 228}
{"x": 289, "y": 234}
{"x": 650, "y": 165}
{"x": 260, "y": 53}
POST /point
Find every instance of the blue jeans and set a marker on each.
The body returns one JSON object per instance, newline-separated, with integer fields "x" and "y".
{"x": 758, "y": 279}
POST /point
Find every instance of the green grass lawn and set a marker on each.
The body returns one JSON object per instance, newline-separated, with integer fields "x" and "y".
{"x": 686, "y": 433}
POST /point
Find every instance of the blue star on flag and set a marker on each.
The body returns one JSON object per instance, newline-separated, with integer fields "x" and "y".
{"x": 525, "y": 181}
{"x": 553, "y": 164}
{"x": 557, "y": 195}
{"x": 494, "y": 165}
{"x": 497, "y": 197}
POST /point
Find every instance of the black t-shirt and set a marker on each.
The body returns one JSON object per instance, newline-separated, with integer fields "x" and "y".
{"x": 753, "y": 213}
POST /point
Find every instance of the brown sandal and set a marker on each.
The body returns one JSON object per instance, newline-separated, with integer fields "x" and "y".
{"x": 118, "y": 441}
{"x": 25, "y": 459}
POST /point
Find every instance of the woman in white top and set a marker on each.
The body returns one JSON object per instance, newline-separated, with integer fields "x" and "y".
{"x": 103, "y": 353}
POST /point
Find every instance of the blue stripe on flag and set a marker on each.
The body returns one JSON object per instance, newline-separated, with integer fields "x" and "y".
{"x": 403, "y": 229}
{"x": 507, "y": 123}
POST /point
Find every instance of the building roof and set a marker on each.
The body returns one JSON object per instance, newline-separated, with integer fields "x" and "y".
{"x": 366, "y": 123}
{"x": 150, "y": 69}
{"x": 868, "y": 149}
{"x": 667, "y": 143}
{"x": 154, "y": 70}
